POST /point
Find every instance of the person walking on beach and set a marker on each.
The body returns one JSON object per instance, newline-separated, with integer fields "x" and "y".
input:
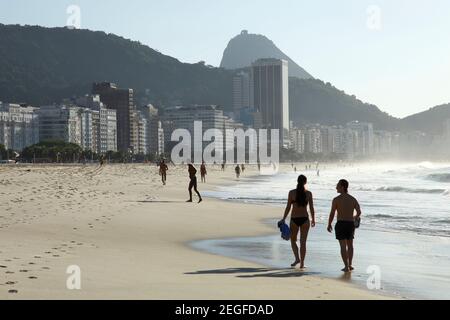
{"x": 193, "y": 183}
{"x": 345, "y": 205}
{"x": 203, "y": 172}
{"x": 102, "y": 160}
{"x": 298, "y": 201}
{"x": 163, "y": 171}
{"x": 238, "y": 171}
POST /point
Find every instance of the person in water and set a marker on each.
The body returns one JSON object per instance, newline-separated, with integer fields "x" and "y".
{"x": 345, "y": 205}
{"x": 237, "y": 170}
{"x": 298, "y": 200}
{"x": 193, "y": 183}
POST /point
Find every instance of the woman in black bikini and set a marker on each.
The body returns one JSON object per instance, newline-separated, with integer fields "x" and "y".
{"x": 298, "y": 201}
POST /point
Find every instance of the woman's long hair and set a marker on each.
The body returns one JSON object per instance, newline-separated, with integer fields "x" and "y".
{"x": 301, "y": 198}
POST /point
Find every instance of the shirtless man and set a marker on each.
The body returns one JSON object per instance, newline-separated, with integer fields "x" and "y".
{"x": 345, "y": 205}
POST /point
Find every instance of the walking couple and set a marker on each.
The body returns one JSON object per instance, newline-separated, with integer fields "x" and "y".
{"x": 345, "y": 205}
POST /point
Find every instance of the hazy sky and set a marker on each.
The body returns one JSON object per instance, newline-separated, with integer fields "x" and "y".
{"x": 393, "y": 53}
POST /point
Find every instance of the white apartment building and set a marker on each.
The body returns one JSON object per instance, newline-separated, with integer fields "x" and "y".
{"x": 104, "y": 123}
{"x": 364, "y": 142}
{"x": 19, "y": 126}
{"x": 313, "y": 140}
{"x": 61, "y": 123}
{"x": 298, "y": 140}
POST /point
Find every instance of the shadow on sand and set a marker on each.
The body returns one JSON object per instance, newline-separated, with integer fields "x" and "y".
{"x": 257, "y": 272}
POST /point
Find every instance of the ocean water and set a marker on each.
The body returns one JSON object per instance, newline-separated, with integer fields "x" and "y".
{"x": 405, "y": 229}
{"x": 402, "y": 197}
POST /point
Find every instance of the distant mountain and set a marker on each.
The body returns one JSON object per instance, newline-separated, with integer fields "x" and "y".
{"x": 246, "y": 48}
{"x": 43, "y": 65}
{"x": 430, "y": 121}
{"x": 314, "y": 101}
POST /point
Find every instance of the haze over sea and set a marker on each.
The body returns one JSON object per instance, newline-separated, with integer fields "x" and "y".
{"x": 405, "y": 228}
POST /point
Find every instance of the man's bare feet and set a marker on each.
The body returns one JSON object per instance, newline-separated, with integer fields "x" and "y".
{"x": 189, "y": 201}
{"x": 200, "y": 200}
{"x": 351, "y": 268}
{"x": 295, "y": 263}
{"x": 346, "y": 269}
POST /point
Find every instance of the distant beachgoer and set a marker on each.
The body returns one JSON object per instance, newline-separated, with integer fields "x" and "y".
{"x": 259, "y": 166}
{"x": 193, "y": 183}
{"x": 242, "y": 168}
{"x": 298, "y": 200}
{"x": 203, "y": 172}
{"x": 295, "y": 169}
{"x": 223, "y": 166}
{"x": 318, "y": 173}
{"x": 238, "y": 171}
{"x": 163, "y": 171}
{"x": 345, "y": 205}
{"x": 102, "y": 160}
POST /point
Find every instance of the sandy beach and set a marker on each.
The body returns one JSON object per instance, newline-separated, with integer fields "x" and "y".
{"x": 130, "y": 237}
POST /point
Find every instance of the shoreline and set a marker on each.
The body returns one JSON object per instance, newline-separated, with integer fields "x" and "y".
{"x": 130, "y": 236}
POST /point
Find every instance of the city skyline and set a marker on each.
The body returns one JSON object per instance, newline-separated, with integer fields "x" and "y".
{"x": 365, "y": 48}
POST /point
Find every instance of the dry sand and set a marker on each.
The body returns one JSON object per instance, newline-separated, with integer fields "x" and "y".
{"x": 129, "y": 235}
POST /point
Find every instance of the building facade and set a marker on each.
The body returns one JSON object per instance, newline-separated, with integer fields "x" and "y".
{"x": 271, "y": 94}
{"x": 121, "y": 100}
{"x": 19, "y": 126}
{"x": 242, "y": 92}
{"x": 364, "y": 140}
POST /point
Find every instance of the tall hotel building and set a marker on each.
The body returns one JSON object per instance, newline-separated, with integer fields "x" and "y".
{"x": 271, "y": 95}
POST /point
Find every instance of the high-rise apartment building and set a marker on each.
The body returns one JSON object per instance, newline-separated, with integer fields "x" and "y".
{"x": 242, "y": 92}
{"x": 364, "y": 138}
{"x": 271, "y": 94}
{"x": 104, "y": 123}
{"x": 121, "y": 100}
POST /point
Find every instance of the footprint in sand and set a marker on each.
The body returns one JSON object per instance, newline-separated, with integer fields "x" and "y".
{"x": 32, "y": 278}
{"x": 10, "y": 283}
{"x": 13, "y": 291}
